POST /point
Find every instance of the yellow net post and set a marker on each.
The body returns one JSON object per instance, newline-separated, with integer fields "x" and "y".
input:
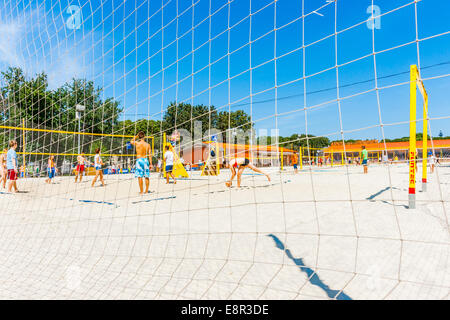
{"x": 163, "y": 159}
{"x": 342, "y": 158}
{"x": 300, "y": 158}
{"x": 281, "y": 151}
{"x": 416, "y": 82}
{"x": 23, "y": 148}
{"x": 153, "y": 147}
{"x": 217, "y": 159}
{"x": 412, "y": 138}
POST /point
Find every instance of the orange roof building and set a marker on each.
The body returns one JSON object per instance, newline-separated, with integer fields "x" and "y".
{"x": 376, "y": 148}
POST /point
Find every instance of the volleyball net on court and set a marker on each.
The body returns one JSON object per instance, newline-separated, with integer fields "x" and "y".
{"x": 281, "y": 83}
{"x": 38, "y": 144}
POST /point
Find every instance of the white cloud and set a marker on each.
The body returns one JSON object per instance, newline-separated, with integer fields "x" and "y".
{"x": 9, "y": 35}
{"x": 24, "y": 43}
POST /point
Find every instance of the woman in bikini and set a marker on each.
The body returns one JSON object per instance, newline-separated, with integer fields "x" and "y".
{"x": 240, "y": 164}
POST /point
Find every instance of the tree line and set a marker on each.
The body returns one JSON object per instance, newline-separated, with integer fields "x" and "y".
{"x": 30, "y": 99}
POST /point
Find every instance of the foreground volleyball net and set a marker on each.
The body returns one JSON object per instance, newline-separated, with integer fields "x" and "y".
{"x": 289, "y": 100}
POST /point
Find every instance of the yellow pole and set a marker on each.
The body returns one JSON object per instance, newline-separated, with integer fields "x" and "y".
{"x": 153, "y": 147}
{"x": 342, "y": 158}
{"x": 23, "y": 148}
{"x": 300, "y": 158}
{"x": 217, "y": 159}
{"x": 412, "y": 138}
{"x": 281, "y": 158}
{"x": 163, "y": 149}
{"x": 425, "y": 144}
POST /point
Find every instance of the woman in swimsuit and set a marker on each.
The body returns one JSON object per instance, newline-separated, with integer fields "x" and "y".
{"x": 240, "y": 164}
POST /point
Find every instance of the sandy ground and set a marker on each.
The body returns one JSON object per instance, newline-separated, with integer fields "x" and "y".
{"x": 320, "y": 234}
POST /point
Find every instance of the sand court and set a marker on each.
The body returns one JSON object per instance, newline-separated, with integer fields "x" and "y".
{"x": 328, "y": 233}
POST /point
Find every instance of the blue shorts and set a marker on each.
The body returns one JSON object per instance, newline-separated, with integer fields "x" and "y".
{"x": 51, "y": 173}
{"x": 142, "y": 168}
{"x": 169, "y": 168}
{"x": 295, "y": 166}
{"x": 364, "y": 162}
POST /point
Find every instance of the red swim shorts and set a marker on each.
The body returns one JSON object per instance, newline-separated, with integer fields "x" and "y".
{"x": 80, "y": 167}
{"x": 12, "y": 175}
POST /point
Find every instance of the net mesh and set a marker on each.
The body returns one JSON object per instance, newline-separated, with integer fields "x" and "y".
{"x": 295, "y": 87}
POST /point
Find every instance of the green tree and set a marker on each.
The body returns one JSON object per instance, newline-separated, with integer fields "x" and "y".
{"x": 183, "y": 116}
{"x": 234, "y": 119}
{"x": 30, "y": 99}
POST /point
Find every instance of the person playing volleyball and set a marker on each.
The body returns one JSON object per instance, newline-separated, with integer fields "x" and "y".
{"x": 51, "y": 169}
{"x": 12, "y": 166}
{"x": 241, "y": 164}
{"x": 98, "y": 163}
{"x": 81, "y": 161}
{"x": 169, "y": 160}
{"x": 143, "y": 161}
{"x": 3, "y": 170}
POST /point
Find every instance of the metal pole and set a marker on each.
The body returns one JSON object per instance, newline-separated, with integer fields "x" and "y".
{"x": 79, "y": 136}
{"x": 425, "y": 144}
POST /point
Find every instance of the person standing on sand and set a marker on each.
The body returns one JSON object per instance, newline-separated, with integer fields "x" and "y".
{"x": 98, "y": 164}
{"x": 159, "y": 165}
{"x": 168, "y": 160}
{"x": 143, "y": 161}
{"x": 364, "y": 155}
{"x": 51, "y": 169}
{"x": 432, "y": 160}
{"x": 81, "y": 161}
{"x": 295, "y": 162}
{"x": 3, "y": 170}
{"x": 12, "y": 166}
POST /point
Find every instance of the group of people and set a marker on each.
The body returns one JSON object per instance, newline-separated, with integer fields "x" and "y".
{"x": 9, "y": 167}
{"x": 144, "y": 164}
{"x": 98, "y": 166}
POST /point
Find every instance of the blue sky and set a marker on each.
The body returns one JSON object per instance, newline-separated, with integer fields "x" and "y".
{"x": 148, "y": 54}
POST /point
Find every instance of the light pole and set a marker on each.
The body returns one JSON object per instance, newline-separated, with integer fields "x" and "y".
{"x": 79, "y": 109}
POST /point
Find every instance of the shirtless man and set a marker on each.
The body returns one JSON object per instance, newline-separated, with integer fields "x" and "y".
{"x": 143, "y": 161}
{"x": 241, "y": 164}
{"x": 81, "y": 161}
{"x": 3, "y": 170}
